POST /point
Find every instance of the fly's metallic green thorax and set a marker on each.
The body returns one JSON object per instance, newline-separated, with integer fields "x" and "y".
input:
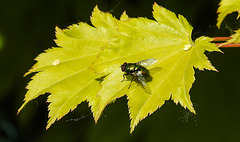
{"x": 134, "y": 69}
{"x": 137, "y": 70}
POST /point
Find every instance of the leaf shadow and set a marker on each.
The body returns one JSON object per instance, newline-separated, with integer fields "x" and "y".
{"x": 101, "y": 79}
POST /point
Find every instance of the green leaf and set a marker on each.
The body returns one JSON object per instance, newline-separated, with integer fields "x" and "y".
{"x": 235, "y": 38}
{"x": 226, "y": 7}
{"x": 86, "y": 66}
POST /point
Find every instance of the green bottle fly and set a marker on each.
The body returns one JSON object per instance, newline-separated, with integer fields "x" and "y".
{"x": 137, "y": 70}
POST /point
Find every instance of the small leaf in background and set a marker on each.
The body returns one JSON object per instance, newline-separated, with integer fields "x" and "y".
{"x": 235, "y": 38}
{"x": 226, "y": 7}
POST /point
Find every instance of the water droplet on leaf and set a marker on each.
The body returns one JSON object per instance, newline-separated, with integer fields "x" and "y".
{"x": 56, "y": 62}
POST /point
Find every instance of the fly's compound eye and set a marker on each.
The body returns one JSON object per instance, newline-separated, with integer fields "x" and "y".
{"x": 123, "y": 66}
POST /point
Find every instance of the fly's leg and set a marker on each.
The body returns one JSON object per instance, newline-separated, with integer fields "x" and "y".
{"x": 131, "y": 82}
{"x": 123, "y": 77}
{"x": 141, "y": 81}
{"x": 143, "y": 86}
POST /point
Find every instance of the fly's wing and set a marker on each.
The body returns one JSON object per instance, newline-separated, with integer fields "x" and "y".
{"x": 142, "y": 80}
{"x": 143, "y": 85}
{"x": 147, "y": 62}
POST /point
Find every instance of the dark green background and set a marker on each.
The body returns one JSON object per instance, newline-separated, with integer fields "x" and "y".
{"x": 27, "y": 28}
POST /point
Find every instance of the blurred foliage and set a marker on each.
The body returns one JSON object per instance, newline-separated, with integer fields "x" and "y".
{"x": 28, "y": 28}
{"x": 226, "y": 7}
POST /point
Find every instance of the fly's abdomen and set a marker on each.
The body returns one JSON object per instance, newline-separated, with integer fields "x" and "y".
{"x": 142, "y": 71}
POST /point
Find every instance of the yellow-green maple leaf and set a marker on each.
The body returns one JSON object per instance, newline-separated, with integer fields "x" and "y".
{"x": 226, "y": 7}
{"x": 71, "y": 73}
{"x": 169, "y": 41}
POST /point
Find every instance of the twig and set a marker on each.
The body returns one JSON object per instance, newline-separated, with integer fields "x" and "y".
{"x": 220, "y": 38}
{"x": 228, "y": 45}
{"x": 219, "y": 41}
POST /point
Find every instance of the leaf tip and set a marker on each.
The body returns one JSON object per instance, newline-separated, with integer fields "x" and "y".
{"x": 20, "y": 109}
{"x": 124, "y": 16}
{"x": 190, "y": 108}
{"x": 27, "y": 73}
{"x": 48, "y": 126}
{"x": 132, "y": 128}
{"x": 194, "y": 111}
{"x": 97, "y": 116}
{"x": 56, "y": 28}
{"x": 155, "y": 6}
{"x": 96, "y": 9}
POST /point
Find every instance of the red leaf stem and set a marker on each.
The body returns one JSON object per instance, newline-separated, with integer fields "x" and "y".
{"x": 220, "y": 38}
{"x": 228, "y": 45}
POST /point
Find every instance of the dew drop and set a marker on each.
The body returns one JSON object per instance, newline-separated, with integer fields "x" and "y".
{"x": 56, "y": 62}
{"x": 187, "y": 47}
